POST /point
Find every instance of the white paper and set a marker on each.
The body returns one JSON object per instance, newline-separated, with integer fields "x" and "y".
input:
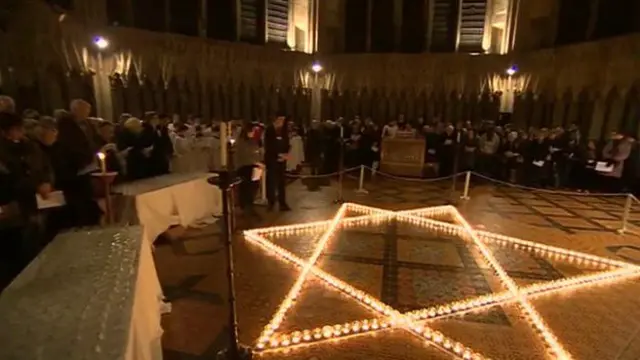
{"x": 256, "y": 174}
{"x": 602, "y": 166}
{"x": 55, "y": 199}
{"x": 539, "y": 163}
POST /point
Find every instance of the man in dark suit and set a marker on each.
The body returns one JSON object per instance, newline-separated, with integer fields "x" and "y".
{"x": 78, "y": 143}
{"x": 276, "y": 153}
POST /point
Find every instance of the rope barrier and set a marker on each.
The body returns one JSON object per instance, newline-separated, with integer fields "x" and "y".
{"x": 401, "y": 178}
{"x": 546, "y": 191}
{"x": 301, "y": 176}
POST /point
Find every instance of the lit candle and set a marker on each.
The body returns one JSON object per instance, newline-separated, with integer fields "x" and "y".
{"x": 223, "y": 144}
{"x": 103, "y": 163}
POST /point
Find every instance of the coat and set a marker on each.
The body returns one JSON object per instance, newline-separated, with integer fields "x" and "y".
{"x": 616, "y": 154}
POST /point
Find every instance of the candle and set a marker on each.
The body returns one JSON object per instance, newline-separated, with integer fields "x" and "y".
{"x": 103, "y": 163}
{"x": 223, "y": 144}
{"x": 458, "y": 138}
{"x": 341, "y": 132}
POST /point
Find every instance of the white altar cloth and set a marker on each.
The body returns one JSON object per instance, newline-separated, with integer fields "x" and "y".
{"x": 90, "y": 294}
{"x": 175, "y": 199}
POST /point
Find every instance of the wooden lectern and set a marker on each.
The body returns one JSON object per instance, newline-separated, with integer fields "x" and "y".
{"x": 403, "y": 156}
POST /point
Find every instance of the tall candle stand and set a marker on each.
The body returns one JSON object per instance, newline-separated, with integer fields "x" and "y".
{"x": 226, "y": 182}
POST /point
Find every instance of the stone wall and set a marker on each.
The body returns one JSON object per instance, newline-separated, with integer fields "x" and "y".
{"x": 54, "y": 61}
{"x": 596, "y": 85}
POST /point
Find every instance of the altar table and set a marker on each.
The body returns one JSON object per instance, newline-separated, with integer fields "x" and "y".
{"x": 164, "y": 201}
{"x": 90, "y": 294}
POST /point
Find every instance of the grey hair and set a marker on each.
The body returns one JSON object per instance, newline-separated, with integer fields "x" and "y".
{"x": 75, "y": 103}
{"x": 7, "y": 104}
{"x": 48, "y": 122}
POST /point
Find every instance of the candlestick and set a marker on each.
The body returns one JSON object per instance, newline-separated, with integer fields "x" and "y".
{"x": 103, "y": 164}
{"x": 223, "y": 144}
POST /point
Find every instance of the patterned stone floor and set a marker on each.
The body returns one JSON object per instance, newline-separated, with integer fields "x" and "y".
{"x": 410, "y": 268}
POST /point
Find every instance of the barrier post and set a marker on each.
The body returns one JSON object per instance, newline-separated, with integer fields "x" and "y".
{"x": 625, "y": 214}
{"x": 467, "y": 181}
{"x": 361, "y": 189}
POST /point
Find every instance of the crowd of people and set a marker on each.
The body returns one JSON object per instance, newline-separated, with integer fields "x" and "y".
{"x": 40, "y": 155}
{"x": 556, "y": 158}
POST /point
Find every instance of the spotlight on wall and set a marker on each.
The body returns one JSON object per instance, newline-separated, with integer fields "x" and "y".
{"x": 316, "y": 67}
{"x": 100, "y": 42}
{"x": 512, "y": 70}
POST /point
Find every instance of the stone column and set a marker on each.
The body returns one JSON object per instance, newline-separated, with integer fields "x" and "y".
{"x": 202, "y": 19}
{"x": 167, "y": 15}
{"x": 429, "y": 9}
{"x": 368, "y": 30}
{"x": 599, "y": 110}
{"x": 316, "y": 98}
{"x": 236, "y": 18}
{"x": 508, "y": 35}
{"x": 488, "y": 25}
{"x": 291, "y": 31}
{"x": 397, "y": 23}
{"x": 458, "y": 24}
{"x": 593, "y": 19}
{"x": 102, "y": 89}
{"x": 261, "y": 26}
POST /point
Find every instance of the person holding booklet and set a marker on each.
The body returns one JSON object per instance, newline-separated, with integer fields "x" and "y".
{"x": 249, "y": 168}
{"x": 78, "y": 143}
{"x": 614, "y": 154}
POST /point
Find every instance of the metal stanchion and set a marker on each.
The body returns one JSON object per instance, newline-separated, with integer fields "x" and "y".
{"x": 226, "y": 181}
{"x": 340, "y": 199}
{"x": 361, "y": 189}
{"x": 625, "y": 214}
{"x": 467, "y": 181}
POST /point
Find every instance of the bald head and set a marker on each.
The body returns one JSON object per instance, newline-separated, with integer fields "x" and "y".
{"x": 80, "y": 109}
{"x": 7, "y": 105}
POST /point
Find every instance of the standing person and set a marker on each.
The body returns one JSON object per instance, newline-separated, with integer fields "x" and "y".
{"x": 276, "y": 153}
{"x": 247, "y": 157}
{"x": 447, "y": 151}
{"x": 23, "y": 174}
{"x": 78, "y": 145}
{"x": 615, "y": 153}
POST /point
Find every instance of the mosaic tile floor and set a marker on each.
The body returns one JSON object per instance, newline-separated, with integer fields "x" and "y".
{"x": 409, "y": 269}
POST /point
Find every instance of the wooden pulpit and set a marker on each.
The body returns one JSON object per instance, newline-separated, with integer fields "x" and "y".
{"x": 403, "y": 156}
